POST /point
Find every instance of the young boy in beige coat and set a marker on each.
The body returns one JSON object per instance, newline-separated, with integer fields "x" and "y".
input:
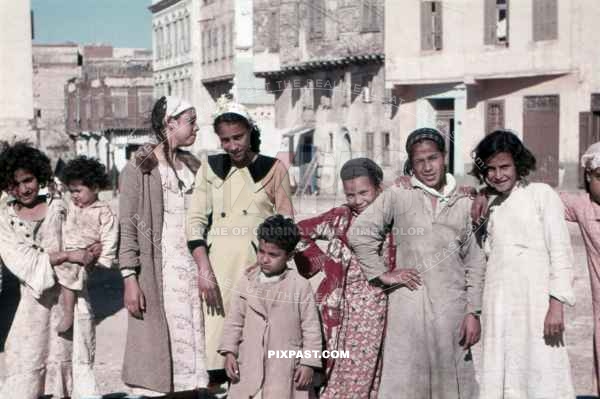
{"x": 273, "y": 310}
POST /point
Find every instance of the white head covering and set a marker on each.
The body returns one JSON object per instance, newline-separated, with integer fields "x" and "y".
{"x": 591, "y": 158}
{"x": 227, "y": 106}
{"x": 176, "y": 106}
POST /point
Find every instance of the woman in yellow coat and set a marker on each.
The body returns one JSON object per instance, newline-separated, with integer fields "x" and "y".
{"x": 234, "y": 192}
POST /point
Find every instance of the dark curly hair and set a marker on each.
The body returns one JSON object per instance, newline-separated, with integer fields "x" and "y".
{"x": 89, "y": 171}
{"x": 230, "y": 117}
{"x": 281, "y": 231}
{"x": 22, "y": 155}
{"x": 502, "y": 141}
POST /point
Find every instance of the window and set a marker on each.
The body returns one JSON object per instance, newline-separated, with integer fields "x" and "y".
{"x": 203, "y": 42}
{"x": 370, "y": 145}
{"x": 162, "y": 42}
{"x": 274, "y": 32}
{"x": 496, "y": 22}
{"x": 370, "y": 17}
{"x": 223, "y": 42}
{"x": 367, "y": 86}
{"x": 494, "y": 118}
{"x": 316, "y": 18}
{"x": 188, "y": 34}
{"x": 168, "y": 49}
{"x": 209, "y": 45}
{"x": 144, "y": 102}
{"x": 215, "y": 43}
{"x": 99, "y": 105}
{"x": 385, "y": 148}
{"x": 176, "y": 29}
{"x": 545, "y": 20}
{"x": 119, "y": 103}
{"x": 231, "y": 39}
{"x": 431, "y": 25}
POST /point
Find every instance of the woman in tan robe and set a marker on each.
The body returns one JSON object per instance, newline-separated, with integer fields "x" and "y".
{"x": 233, "y": 194}
{"x": 165, "y": 334}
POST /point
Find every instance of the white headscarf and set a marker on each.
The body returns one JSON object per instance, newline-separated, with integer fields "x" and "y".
{"x": 591, "y": 158}
{"x": 176, "y": 106}
{"x": 227, "y": 106}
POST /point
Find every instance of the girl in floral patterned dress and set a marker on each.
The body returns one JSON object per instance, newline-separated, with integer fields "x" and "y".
{"x": 352, "y": 311}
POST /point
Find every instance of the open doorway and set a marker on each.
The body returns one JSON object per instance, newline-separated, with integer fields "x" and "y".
{"x": 444, "y": 122}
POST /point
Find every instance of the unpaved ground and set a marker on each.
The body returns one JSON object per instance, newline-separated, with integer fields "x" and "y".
{"x": 106, "y": 294}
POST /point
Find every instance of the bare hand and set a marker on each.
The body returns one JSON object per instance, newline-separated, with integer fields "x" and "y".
{"x": 409, "y": 278}
{"x": 232, "y": 368}
{"x": 303, "y": 377}
{"x": 82, "y": 257}
{"x": 554, "y": 325}
{"x": 95, "y": 249}
{"x": 403, "y": 182}
{"x": 469, "y": 191}
{"x": 210, "y": 292}
{"x": 134, "y": 299}
{"x": 470, "y": 331}
{"x": 479, "y": 208}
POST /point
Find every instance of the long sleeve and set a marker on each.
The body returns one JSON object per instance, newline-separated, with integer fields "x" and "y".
{"x": 200, "y": 209}
{"x": 109, "y": 238}
{"x": 309, "y": 257}
{"x": 129, "y": 248}
{"x": 570, "y": 202}
{"x": 368, "y": 232}
{"x": 28, "y": 262}
{"x": 282, "y": 190}
{"x": 558, "y": 243}
{"x": 475, "y": 264}
{"x": 234, "y": 322}
{"x": 310, "y": 326}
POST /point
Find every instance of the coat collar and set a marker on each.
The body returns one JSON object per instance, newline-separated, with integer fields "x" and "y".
{"x": 221, "y": 166}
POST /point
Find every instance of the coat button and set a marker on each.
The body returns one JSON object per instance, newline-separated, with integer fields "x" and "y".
{"x": 223, "y": 214}
{"x": 245, "y": 212}
{"x": 27, "y": 235}
{"x": 20, "y": 223}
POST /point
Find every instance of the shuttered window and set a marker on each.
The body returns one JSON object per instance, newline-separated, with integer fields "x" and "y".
{"x": 545, "y": 20}
{"x": 370, "y": 145}
{"x": 274, "y": 32}
{"x": 371, "y": 16}
{"x": 496, "y": 22}
{"x": 316, "y": 17}
{"x": 431, "y": 25}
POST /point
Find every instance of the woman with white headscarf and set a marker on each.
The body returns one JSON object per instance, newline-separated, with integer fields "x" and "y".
{"x": 234, "y": 192}
{"x": 165, "y": 350}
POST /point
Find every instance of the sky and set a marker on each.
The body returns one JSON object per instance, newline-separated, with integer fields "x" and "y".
{"x": 122, "y": 23}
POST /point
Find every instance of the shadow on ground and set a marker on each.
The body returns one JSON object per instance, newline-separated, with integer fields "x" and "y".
{"x": 105, "y": 289}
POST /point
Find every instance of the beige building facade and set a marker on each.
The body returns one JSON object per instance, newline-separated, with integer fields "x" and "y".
{"x": 471, "y": 66}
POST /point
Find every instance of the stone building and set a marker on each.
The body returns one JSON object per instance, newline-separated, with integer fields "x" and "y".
{"x": 174, "y": 26}
{"x": 225, "y": 67}
{"x": 53, "y": 66}
{"x": 471, "y": 66}
{"x": 16, "y": 71}
{"x": 108, "y": 108}
{"x": 324, "y": 62}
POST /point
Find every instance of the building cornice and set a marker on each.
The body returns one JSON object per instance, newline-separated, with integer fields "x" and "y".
{"x": 332, "y": 63}
{"x": 161, "y": 5}
{"x": 218, "y": 79}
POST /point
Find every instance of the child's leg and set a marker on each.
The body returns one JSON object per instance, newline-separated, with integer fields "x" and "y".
{"x": 67, "y": 301}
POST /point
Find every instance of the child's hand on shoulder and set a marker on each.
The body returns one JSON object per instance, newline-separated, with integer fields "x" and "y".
{"x": 303, "y": 377}
{"x": 231, "y": 367}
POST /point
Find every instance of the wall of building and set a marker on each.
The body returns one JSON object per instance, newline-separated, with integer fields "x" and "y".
{"x": 16, "y": 104}
{"x": 53, "y": 66}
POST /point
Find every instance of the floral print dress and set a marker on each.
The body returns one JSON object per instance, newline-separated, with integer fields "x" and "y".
{"x": 353, "y": 311}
